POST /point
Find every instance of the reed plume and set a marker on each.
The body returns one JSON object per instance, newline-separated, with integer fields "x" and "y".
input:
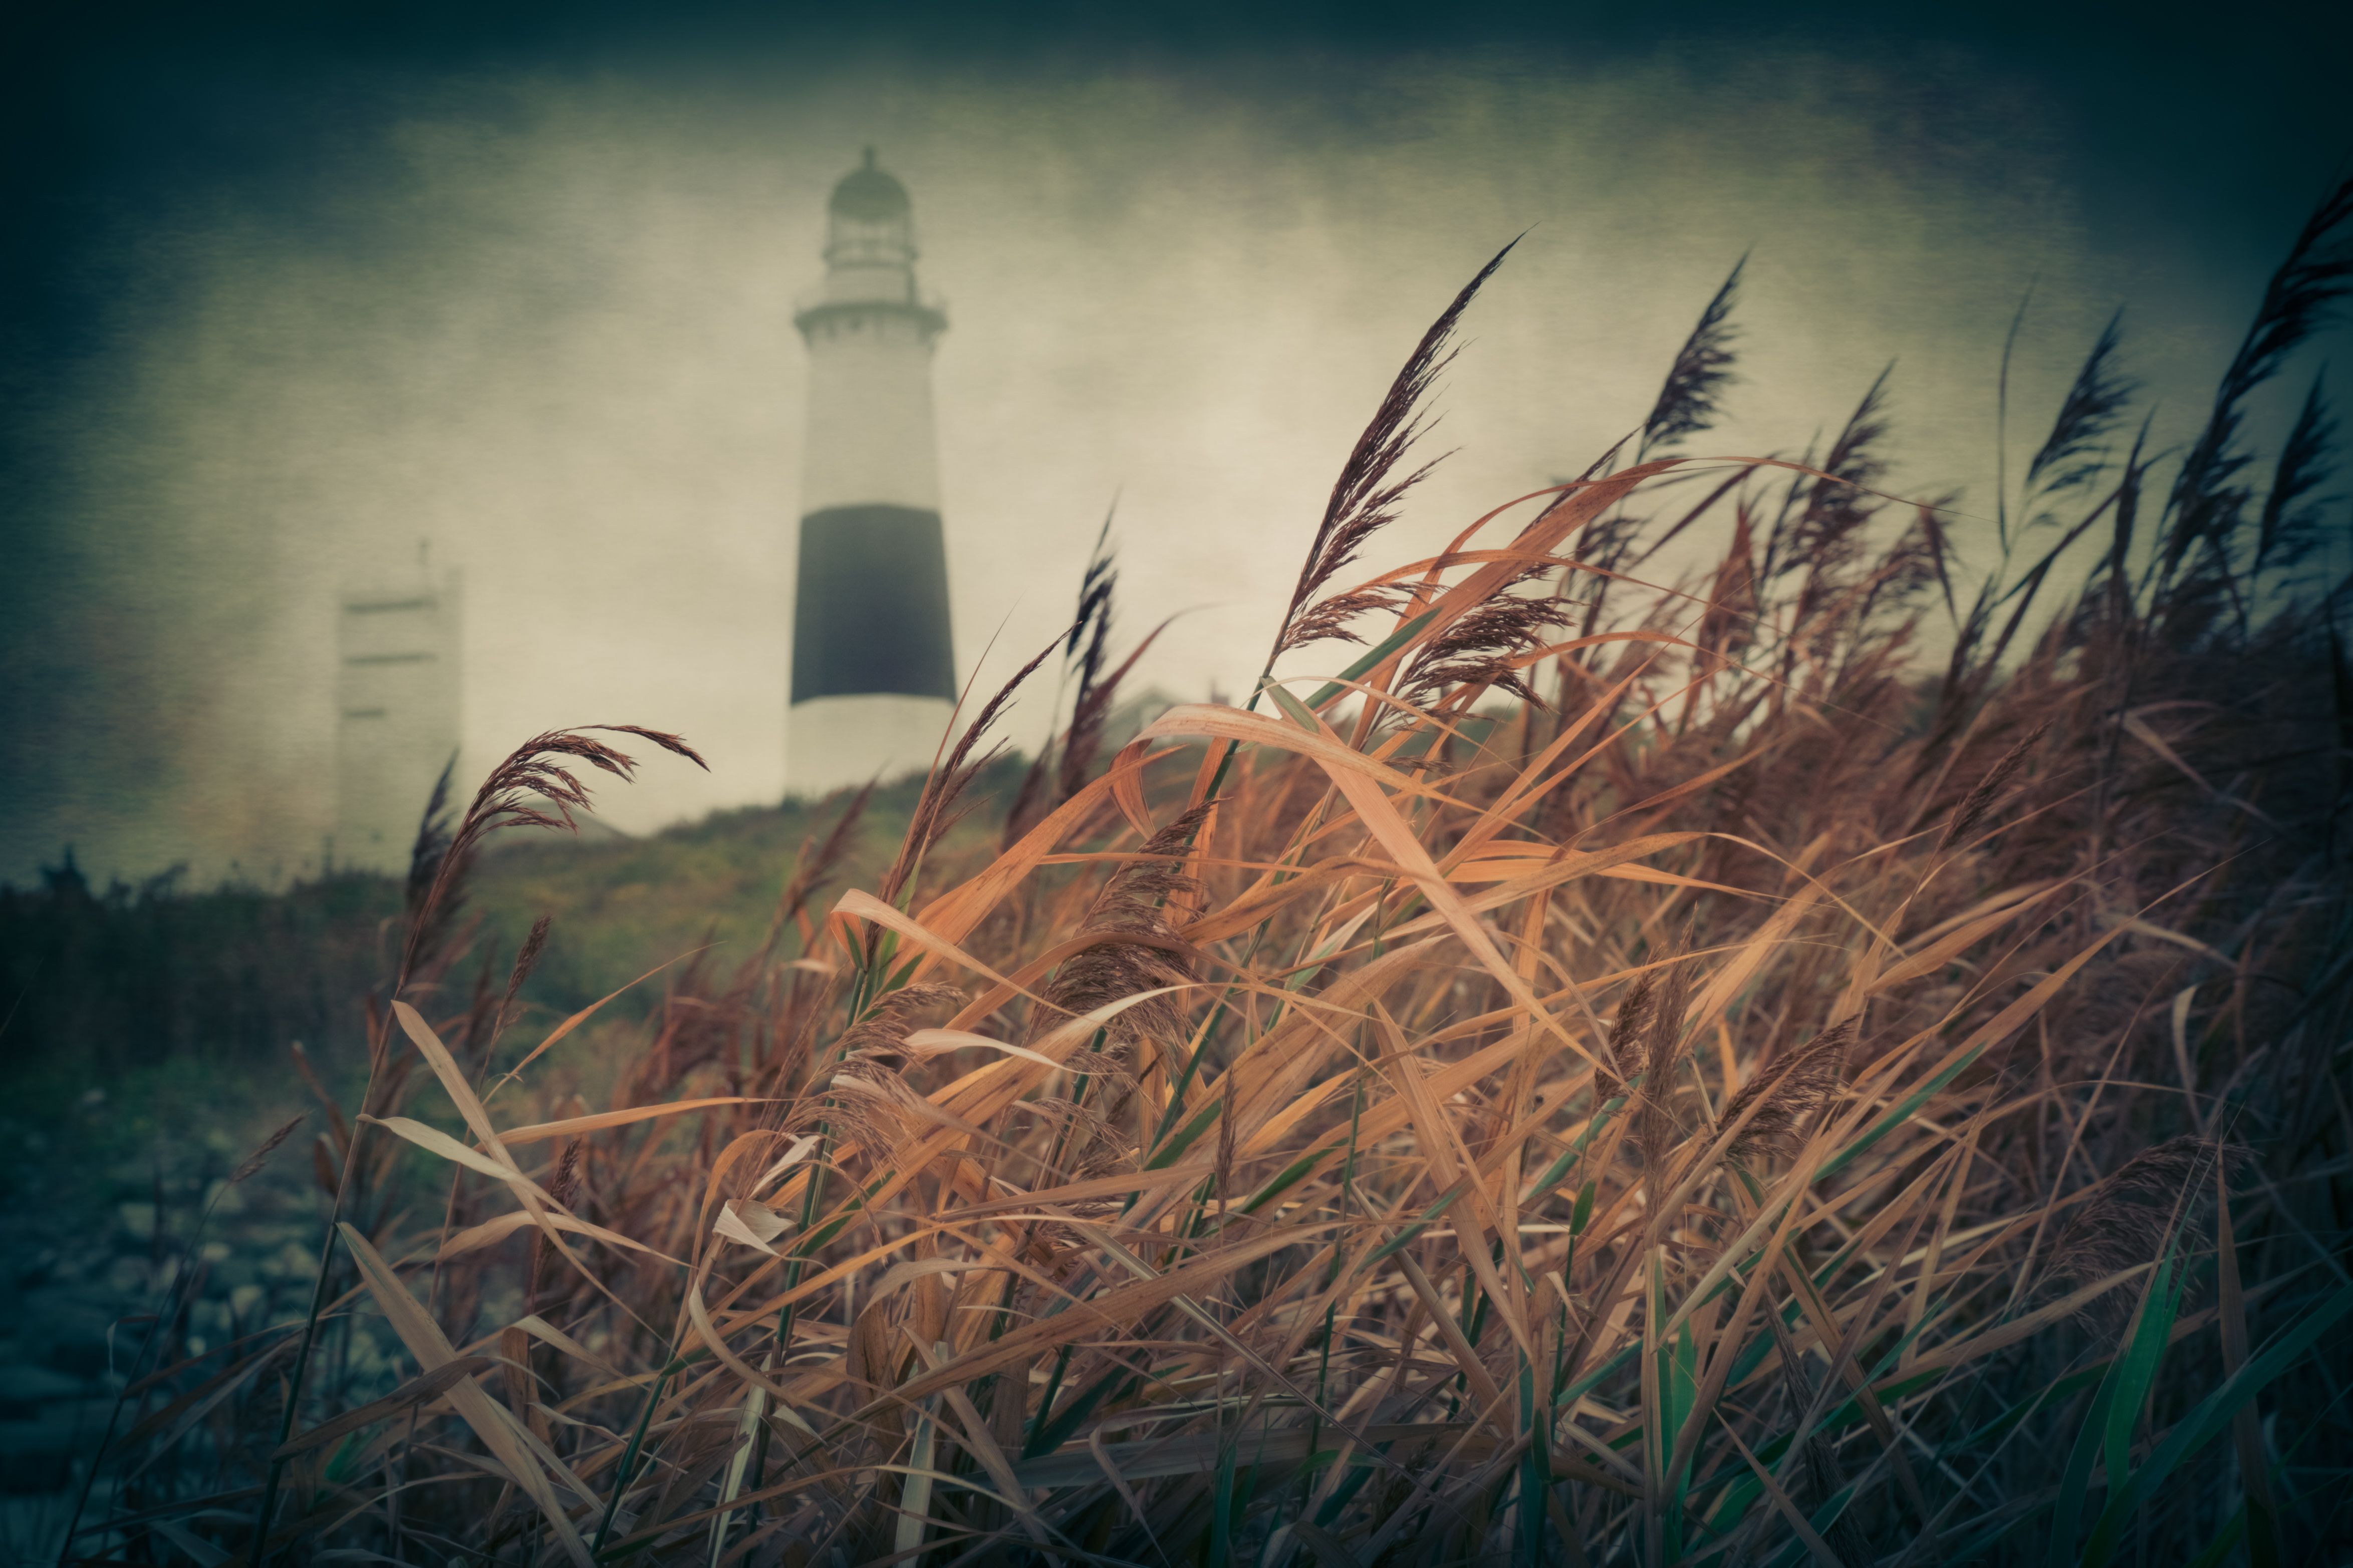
{"x": 2289, "y": 526}
{"x": 1135, "y": 947}
{"x": 2209, "y": 498}
{"x": 1626, "y": 1032}
{"x": 816, "y": 861}
{"x": 1989, "y": 789}
{"x": 1657, "y": 1129}
{"x": 251, "y": 1165}
{"x": 1788, "y": 1093}
{"x": 1366, "y": 496}
{"x": 533, "y": 786}
{"x": 1825, "y": 536}
{"x": 527, "y": 960}
{"x": 2073, "y": 454}
{"x": 942, "y": 802}
{"x": 1485, "y": 649}
{"x": 1686, "y": 404}
{"x": 871, "y": 1061}
{"x": 2137, "y": 1211}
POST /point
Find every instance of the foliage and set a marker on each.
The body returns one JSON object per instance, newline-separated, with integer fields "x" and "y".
{"x": 127, "y": 980}
{"x": 124, "y": 977}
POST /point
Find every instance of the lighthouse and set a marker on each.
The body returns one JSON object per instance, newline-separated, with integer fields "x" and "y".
{"x": 873, "y": 676}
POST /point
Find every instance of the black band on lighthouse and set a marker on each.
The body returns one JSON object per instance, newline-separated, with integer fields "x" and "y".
{"x": 871, "y": 609}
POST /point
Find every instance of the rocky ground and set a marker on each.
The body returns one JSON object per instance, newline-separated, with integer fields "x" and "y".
{"x": 127, "y": 1249}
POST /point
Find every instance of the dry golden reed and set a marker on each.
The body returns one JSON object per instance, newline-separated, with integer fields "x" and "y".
{"x": 1544, "y": 1093}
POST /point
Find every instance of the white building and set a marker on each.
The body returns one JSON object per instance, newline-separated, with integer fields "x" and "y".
{"x": 397, "y": 713}
{"x": 873, "y": 674}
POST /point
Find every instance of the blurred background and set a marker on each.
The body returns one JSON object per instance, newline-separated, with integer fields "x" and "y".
{"x": 294, "y": 296}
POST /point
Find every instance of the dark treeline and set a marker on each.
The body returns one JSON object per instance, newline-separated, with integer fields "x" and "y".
{"x": 98, "y": 980}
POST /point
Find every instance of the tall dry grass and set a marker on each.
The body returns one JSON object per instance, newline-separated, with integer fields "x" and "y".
{"x": 1617, "y": 1076}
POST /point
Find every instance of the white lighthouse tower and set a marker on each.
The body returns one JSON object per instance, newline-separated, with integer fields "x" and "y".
{"x": 874, "y": 679}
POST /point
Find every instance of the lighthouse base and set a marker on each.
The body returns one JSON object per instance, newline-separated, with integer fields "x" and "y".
{"x": 837, "y": 743}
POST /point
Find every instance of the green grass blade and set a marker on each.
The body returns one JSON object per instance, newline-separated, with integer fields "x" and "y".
{"x": 2138, "y": 1369}
{"x": 2206, "y": 1423}
{"x": 2075, "y": 1480}
{"x": 1293, "y": 709}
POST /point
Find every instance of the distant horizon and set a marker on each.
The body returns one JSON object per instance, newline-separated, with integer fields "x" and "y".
{"x": 594, "y": 829}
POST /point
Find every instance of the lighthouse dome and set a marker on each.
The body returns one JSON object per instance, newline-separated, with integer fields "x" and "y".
{"x": 869, "y": 195}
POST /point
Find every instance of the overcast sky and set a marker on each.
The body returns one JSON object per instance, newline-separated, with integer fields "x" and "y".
{"x": 293, "y": 295}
